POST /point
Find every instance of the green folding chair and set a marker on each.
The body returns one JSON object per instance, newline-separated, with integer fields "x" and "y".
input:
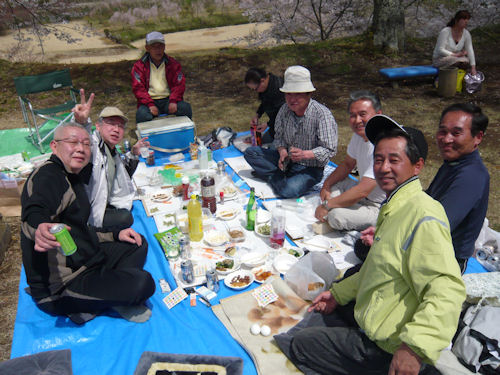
{"x": 37, "y": 118}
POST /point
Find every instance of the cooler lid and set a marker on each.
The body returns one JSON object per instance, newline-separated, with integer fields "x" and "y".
{"x": 164, "y": 124}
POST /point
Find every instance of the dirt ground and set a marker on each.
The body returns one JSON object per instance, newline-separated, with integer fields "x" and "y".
{"x": 219, "y": 98}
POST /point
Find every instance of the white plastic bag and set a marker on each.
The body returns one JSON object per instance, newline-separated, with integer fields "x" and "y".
{"x": 488, "y": 248}
{"x": 473, "y": 83}
{"x": 311, "y": 275}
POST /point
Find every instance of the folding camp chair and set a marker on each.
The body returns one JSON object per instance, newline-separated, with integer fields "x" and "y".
{"x": 37, "y": 118}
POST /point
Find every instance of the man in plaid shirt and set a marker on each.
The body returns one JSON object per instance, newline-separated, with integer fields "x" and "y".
{"x": 305, "y": 140}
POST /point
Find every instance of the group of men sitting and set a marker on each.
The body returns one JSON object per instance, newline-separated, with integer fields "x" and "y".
{"x": 406, "y": 297}
{"x": 408, "y": 292}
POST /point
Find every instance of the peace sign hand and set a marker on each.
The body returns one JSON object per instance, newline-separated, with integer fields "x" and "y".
{"x": 82, "y": 110}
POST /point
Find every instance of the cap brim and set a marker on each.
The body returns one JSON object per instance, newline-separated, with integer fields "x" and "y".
{"x": 378, "y": 124}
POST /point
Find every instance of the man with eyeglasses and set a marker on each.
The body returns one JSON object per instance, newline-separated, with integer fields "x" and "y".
{"x": 106, "y": 271}
{"x": 110, "y": 188}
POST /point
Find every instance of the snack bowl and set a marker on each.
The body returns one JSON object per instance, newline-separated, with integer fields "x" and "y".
{"x": 239, "y": 279}
{"x": 215, "y": 237}
{"x": 297, "y": 252}
{"x": 236, "y": 234}
{"x": 263, "y": 230}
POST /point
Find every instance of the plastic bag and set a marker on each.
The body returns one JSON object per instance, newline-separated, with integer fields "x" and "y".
{"x": 473, "y": 83}
{"x": 311, "y": 275}
{"x": 488, "y": 248}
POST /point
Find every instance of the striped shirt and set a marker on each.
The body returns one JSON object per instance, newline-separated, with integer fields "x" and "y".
{"x": 316, "y": 131}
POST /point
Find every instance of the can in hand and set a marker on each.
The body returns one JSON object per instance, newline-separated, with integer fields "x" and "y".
{"x": 187, "y": 271}
{"x": 68, "y": 246}
{"x": 126, "y": 146}
{"x": 212, "y": 280}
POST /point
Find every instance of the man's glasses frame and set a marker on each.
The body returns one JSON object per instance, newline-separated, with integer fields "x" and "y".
{"x": 75, "y": 142}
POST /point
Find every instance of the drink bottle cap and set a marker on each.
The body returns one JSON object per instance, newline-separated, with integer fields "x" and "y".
{"x": 185, "y": 180}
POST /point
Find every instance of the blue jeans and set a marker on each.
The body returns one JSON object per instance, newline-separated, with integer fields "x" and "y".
{"x": 144, "y": 114}
{"x": 298, "y": 180}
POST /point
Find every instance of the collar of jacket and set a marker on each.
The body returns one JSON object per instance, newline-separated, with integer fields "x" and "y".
{"x": 101, "y": 145}
{"x": 147, "y": 57}
{"x": 464, "y": 159}
{"x": 401, "y": 194}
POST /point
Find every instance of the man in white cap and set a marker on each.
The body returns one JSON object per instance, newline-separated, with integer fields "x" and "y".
{"x": 305, "y": 140}
{"x": 108, "y": 176}
{"x": 158, "y": 82}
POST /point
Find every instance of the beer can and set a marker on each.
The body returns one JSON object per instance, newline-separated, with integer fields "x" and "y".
{"x": 221, "y": 167}
{"x": 184, "y": 248}
{"x": 187, "y": 271}
{"x": 126, "y": 146}
{"x": 62, "y": 235}
{"x": 212, "y": 280}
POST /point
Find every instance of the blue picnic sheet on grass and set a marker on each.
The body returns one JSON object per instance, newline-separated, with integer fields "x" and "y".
{"x": 111, "y": 345}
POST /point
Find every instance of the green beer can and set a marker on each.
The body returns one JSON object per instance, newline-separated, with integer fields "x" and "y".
{"x": 62, "y": 235}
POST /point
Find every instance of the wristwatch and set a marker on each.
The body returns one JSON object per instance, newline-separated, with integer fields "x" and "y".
{"x": 325, "y": 204}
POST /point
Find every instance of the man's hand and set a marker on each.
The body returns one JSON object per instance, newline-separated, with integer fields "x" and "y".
{"x": 325, "y": 193}
{"x": 172, "y": 108}
{"x": 321, "y": 213}
{"x": 44, "y": 240}
{"x": 143, "y": 142}
{"x": 154, "y": 110}
{"x": 254, "y": 121}
{"x": 324, "y": 303}
{"x": 261, "y": 127}
{"x": 130, "y": 235}
{"x": 283, "y": 154}
{"x": 82, "y": 110}
{"x": 367, "y": 235}
{"x": 296, "y": 154}
{"x": 405, "y": 362}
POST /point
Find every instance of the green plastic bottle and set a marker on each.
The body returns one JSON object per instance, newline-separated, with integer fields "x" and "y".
{"x": 251, "y": 210}
{"x": 195, "y": 219}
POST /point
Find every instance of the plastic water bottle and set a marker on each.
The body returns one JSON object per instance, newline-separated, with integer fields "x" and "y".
{"x": 195, "y": 219}
{"x": 203, "y": 157}
{"x": 278, "y": 221}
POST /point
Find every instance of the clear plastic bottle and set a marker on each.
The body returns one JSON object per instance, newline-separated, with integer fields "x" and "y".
{"x": 203, "y": 157}
{"x": 278, "y": 221}
{"x": 251, "y": 210}
{"x": 195, "y": 219}
{"x": 208, "y": 192}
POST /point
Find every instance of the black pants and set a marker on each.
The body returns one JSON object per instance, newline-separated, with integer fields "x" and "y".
{"x": 118, "y": 281}
{"x": 116, "y": 219}
{"x": 340, "y": 347}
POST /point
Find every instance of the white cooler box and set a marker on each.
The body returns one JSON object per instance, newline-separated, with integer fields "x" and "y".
{"x": 168, "y": 134}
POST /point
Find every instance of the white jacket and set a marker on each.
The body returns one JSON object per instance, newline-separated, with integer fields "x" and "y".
{"x": 123, "y": 191}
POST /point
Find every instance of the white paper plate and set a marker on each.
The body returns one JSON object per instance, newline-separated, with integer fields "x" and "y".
{"x": 262, "y": 216}
{"x": 229, "y": 191}
{"x": 299, "y": 250}
{"x": 215, "y": 237}
{"x": 253, "y": 258}
{"x": 260, "y": 234}
{"x": 227, "y": 213}
{"x": 236, "y": 267}
{"x": 241, "y": 273}
{"x": 317, "y": 244}
{"x": 263, "y": 268}
{"x": 282, "y": 263}
{"x": 160, "y": 197}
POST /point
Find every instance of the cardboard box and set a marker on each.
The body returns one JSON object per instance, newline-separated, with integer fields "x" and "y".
{"x": 10, "y": 197}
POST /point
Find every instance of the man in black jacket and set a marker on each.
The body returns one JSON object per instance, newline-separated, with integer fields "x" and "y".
{"x": 106, "y": 269}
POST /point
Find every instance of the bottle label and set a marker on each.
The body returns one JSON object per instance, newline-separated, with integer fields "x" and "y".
{"x": 208, "y": 191}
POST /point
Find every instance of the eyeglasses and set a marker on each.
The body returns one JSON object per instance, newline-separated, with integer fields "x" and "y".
{"x": 119, "y": 124}
{"x": 74, "y": 142}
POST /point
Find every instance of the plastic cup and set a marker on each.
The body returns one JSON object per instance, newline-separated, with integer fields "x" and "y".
{"x": 144, "y": 152}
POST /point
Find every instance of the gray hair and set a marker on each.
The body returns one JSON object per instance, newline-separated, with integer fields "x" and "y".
{"x": 364, "y": 95}
{"x": 70, "y": 124}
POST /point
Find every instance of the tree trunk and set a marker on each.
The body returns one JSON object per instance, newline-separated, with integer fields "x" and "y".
{"x": 388, "y": 24}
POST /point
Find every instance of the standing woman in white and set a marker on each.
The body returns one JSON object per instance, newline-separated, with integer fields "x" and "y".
{"x": 454, "y": 44}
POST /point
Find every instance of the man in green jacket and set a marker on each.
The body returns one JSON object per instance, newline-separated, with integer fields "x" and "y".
{"x": 409, "y": 290}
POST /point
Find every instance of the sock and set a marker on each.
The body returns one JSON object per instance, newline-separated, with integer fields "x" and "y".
{"x": 137, "y": 313}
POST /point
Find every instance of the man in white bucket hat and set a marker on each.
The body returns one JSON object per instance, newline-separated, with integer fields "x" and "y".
{"x": 305, "y": 140}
